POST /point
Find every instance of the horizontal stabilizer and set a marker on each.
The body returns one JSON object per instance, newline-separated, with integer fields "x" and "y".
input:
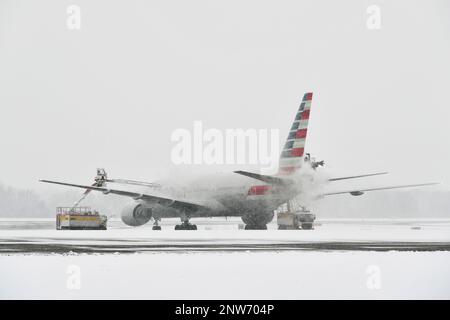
{"x": 264, "y": 178}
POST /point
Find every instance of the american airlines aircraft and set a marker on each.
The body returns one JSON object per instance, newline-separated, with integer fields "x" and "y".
{"x": 253, "y": 197}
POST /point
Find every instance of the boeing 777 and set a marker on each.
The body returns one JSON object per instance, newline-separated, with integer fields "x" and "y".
{"x": 254, "y": 197}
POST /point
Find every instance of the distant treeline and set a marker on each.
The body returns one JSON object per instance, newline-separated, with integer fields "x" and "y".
{"x": 17, "y": 203}
{"x": 413, "y": 203}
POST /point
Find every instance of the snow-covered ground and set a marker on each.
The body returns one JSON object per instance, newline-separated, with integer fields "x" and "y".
{"x": 221, "y": 231}
{"x": 238, "y": 275}
{"x": 216, "y": 274}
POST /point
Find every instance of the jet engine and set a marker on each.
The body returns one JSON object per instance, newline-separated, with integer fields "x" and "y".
{"x": 135, "y": 214}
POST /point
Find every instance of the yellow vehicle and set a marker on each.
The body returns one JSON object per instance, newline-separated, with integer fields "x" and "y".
{"x": 292, "y": 216}
{"x": 295, "y": 220}
{"x": 79, "y": 218}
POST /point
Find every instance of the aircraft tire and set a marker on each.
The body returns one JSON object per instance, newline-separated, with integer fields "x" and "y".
{"x": 186, "y": 227}
{"x": 307, "y": 226}
{"x": 255, "y": 227}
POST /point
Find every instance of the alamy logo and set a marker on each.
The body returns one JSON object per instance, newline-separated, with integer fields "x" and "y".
{"x": 73, "y": 21}
{"x": 74, "y": 277}
{"x": 373, "y": 21}
{"x": 374, "y": 277}
{"x": 230, "y": 146}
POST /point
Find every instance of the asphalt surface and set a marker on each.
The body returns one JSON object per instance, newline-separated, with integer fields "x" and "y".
{"x": 40, "y": 237}
{"x": 105, "y": 246}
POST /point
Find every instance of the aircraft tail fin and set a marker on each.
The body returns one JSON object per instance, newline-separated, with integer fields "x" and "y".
{"x": 291, "y": 157}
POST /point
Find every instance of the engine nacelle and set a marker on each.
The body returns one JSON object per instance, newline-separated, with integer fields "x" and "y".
{"x": 135, "y": 214}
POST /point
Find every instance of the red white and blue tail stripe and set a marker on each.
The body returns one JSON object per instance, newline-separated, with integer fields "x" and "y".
{"x": 291, "y": 157}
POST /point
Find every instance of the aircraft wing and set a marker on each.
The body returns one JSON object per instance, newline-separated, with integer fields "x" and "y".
{"x": 134, "y": 182}
{"x": 358, "y": 176}
{"x": 358, "y": 192}
{"x": 167, "y": 202}
{"x": 283, "y": 181}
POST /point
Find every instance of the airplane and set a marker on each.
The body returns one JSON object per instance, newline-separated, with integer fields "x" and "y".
{"x": 254, "y": 197}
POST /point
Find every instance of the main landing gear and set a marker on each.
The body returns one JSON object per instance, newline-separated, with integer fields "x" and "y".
{"x": 257, "y": 220}
{"x": 186, "y": 226}
{"x": 255, "y": 227}
{"x": 156, "y": 226}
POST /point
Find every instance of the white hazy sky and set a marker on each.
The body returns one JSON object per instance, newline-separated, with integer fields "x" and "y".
{"x": 112, "y": 93}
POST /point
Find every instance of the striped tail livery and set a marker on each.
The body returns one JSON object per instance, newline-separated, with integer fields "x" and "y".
{"x": 291, "y": 157}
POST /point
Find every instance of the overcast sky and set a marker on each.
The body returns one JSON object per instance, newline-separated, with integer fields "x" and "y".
{"x": 111, "y": 93}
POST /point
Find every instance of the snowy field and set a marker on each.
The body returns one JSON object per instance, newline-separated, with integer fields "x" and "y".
{"x": 238, "y": 275}
{"x": 271, "y": 273}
